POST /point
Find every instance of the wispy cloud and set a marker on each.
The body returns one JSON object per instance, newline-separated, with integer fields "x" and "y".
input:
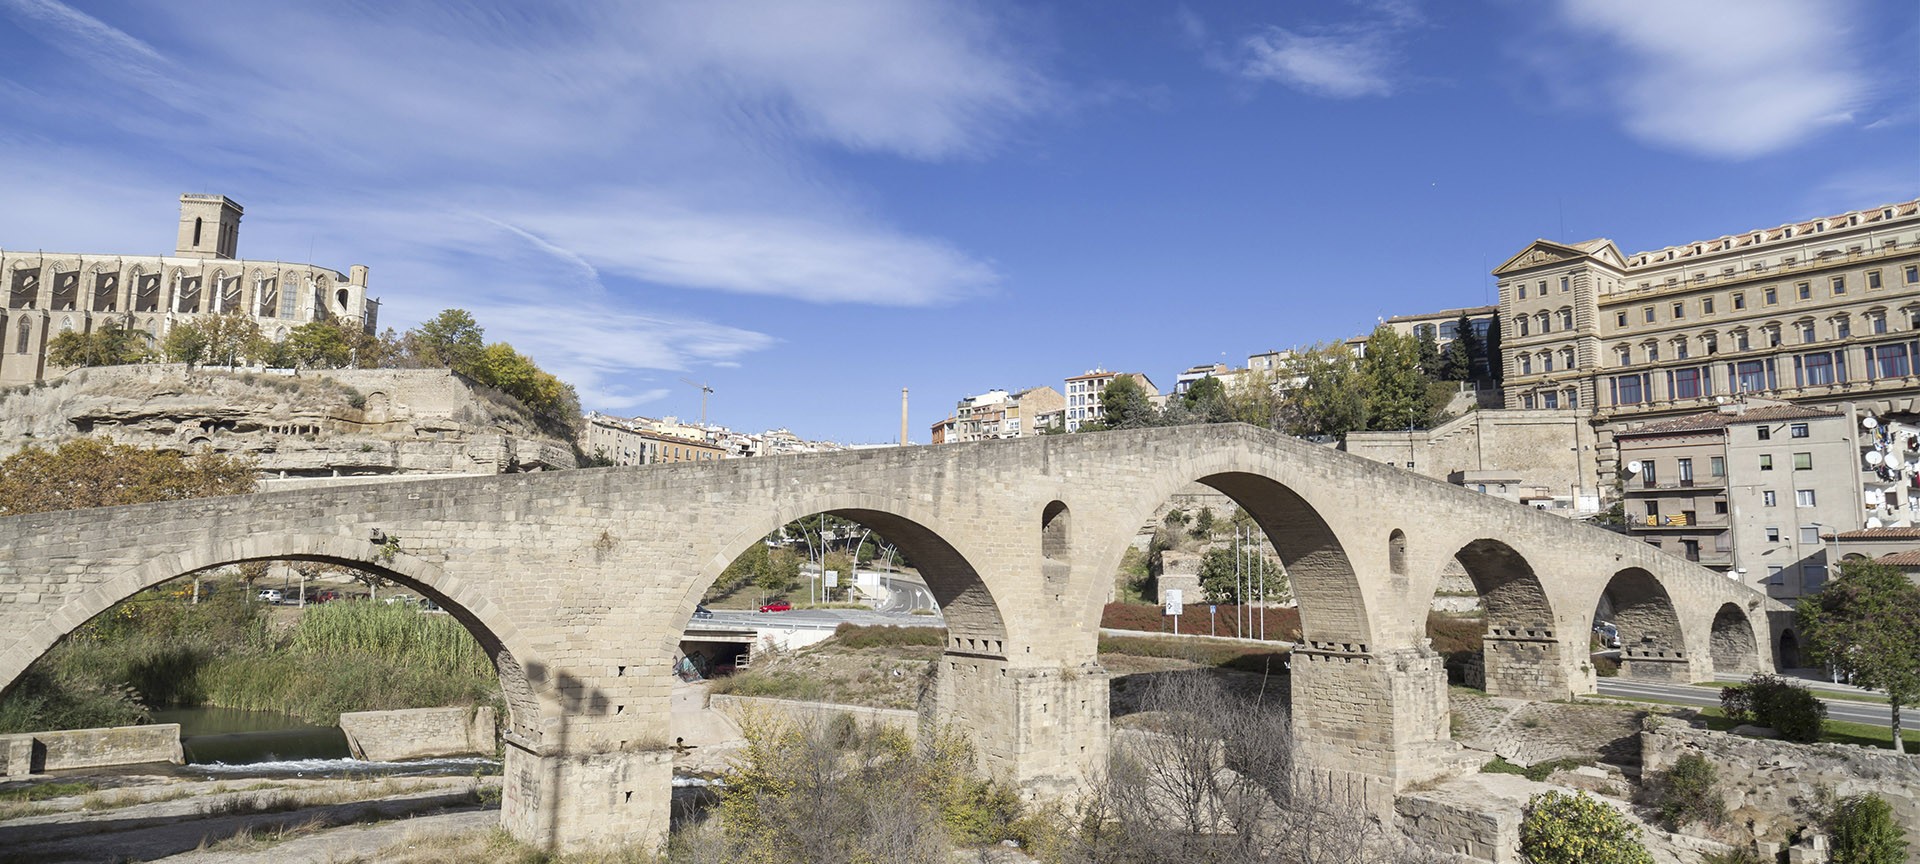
{"x": 106, "y": 49}
{"x": 1724, "y": 78}
{"x": 1347, "y": 59}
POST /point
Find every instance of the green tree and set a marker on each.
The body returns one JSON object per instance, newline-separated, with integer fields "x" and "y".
{"x": 1864, "y": 833}
{"x": 1461, "y": 353}
{"x": 515, "y": 374}
{"x": 186, "y": 342}
{"x": 1206, "y": 401}
{"x": 1687, "y": 792}
{"x": 452, "y": 340}
{"x": 1259, "y": 399}
{"x": 1126, "y": 405}
{"x": 1494, "y": 364}
{"x": 110, "y": 345}
{"x": 1203, "y": 523}
{"x": 1217, "y": 576}
{"x": 92, "y": 472}
{"x": 1397, "y": 393}
{"x": 1427, "y": 349}
{"x": 1175, "y": 518}
{"x": 1576, "y": 829}
{"x": 777, "y": 571}
{"x": 319, "y": 345}
{"x": 1867, "y": 623}
{"x": 1325, "y": 394}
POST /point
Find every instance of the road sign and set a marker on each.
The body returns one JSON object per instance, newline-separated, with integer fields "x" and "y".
{"x": 1173, "y": 601}
{"x": 832, "y": 579}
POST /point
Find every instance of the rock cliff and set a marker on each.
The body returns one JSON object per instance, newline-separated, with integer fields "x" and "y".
{"x": 334, "y": 423}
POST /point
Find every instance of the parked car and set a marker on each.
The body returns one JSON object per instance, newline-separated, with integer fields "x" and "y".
{"x": 269, "y": 595}
{"x": 1609, "y": 634}
{"x": 429, "y": 606}
{"x": 781, "y": 606}
{"x": 702, "y": 612}
{"x": 323, "y": 597}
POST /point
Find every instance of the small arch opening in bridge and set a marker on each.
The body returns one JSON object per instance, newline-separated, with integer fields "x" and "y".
{"x": 1789, "y": 652}
{"x": 1492, "y": 624}
{"x": 1636, "y": 610}
{"x": 257, "y": 632}
{"x": 1054, "y": 523}
{"x": 1397, "y": 552}
{"x": 1735, "y": 651}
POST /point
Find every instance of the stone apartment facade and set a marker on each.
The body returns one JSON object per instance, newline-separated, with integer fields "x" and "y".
{"x": 1812, "y": 312}
{"x": 1752, "y": 491}
{"x": 997, "y": 414}
{"x": 48, "y": 293}
{"x": 638, "y": 442}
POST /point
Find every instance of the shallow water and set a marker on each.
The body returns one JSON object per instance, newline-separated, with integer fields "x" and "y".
{"x": 236, "y": 736}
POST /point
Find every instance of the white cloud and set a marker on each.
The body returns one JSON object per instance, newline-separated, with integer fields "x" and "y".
{"x": 1343, "y": 65}
{"x": 106, "y": 49}
{"x": 1725, "y": 78}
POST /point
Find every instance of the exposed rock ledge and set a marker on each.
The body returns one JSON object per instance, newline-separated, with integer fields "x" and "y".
{"x": 346, "y": 422}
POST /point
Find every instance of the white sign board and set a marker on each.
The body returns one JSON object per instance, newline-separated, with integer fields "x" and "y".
{"x": 870, "y": 579}
{"x": 1173, "y": 601}
{"x": 833, "y": 581}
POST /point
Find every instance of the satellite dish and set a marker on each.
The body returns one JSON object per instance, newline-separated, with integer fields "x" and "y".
{"x": 1869, "y": 423}
{"x": 1874, "y": 498}
{"x": 1633, "y": 467}
{"x": 1874, "y": 457}
{"x": 1873, "y": 522}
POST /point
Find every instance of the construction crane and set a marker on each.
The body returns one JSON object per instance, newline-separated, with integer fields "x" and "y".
{"x": 704, "y": 390}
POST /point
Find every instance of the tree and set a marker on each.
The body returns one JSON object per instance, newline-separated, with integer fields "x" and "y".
{"x": 1126, "y": 405}
{"x": 515, "y": 374}
{"x": 1217, "y": 576}
{"x": 1327, "y": 395}
{"x": 452, "y": 340}
{"x": 777, "y": 571}
{"x": 319, "y": 345}
{"x": 1458, "y": 363}
{"x": 1576, "y": 829}
{"x": 1205, "y": 401}
{"x": 1395, "y": 387}
{"x": 1259, "y": 399}
{"x": 110, "y": 345}
{"x": 91, "y": 472}
{"x": 1496, "y": 366}
{"x": 1867, "y": 623}
{"x": 185, "y": 342}
{"x": 1427, "y": 349}
{"x": 1203, "y": 523}
{"x": 1864, "y": 833}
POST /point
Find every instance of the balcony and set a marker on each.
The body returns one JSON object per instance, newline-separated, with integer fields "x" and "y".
{"x": 1648, "y": 484}
{"x": 1678, "y": 521}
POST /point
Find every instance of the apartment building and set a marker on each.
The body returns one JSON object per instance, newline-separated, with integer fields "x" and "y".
{"x": 1083, "y": 395}
{"x": 998, "y": 414}
{"x": 1815, "y": 312}
{"x": 1748, "y": 490}
{"x": 643, "y": 441}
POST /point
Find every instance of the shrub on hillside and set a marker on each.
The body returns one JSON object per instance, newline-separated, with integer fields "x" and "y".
{"x": 1688, "y": 792}
{"x": 1577, "y": 829}
{"x": 1770, "y": 700}
{"x": 856, "y": 636}
{"x": 1864, "y": 833}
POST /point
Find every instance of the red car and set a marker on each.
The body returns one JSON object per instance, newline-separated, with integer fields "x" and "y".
{"x": 782, "y": 606}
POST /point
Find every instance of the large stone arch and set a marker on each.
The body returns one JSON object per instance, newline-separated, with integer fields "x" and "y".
{"x": 1652, "y": 644}
{"x": 1735, "y": 651}
{"x": 521, "y": 671}
{"x": 1523, "y": 646}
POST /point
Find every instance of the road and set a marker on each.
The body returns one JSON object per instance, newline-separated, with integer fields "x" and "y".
{"x": 896, "y": 610}
{"x": 1870, "y": 713}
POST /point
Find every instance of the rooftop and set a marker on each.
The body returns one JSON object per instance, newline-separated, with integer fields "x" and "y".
{"x": 1470, "y": 311}
{"x": 1721, "y": 419}
{"x": 1880, "y": 534}
{"x": 1867, "y": 216}
{"x": 1909, "y": 558}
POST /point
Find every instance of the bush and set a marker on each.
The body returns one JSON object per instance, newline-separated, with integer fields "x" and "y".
{"x": 856, "y": 636}
{"x": 1576, "y": 829}
{"x": 1769, "y": 700}
{"x": 1864, "y": 833}
{"x": 1687, "y": 793}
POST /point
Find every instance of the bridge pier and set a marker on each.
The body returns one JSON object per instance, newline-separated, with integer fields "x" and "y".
{"x": 1526, "y": 663}
{"x": 1660, "y": 664}
{"x": 1042, "y": 728}
{"x": 1367, "y": 724}
{"x": 574, "y": 801}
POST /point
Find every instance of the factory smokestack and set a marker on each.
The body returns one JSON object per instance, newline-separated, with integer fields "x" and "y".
{"x": 903, "y": 416}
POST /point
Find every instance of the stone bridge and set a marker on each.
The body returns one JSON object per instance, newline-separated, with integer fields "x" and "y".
{"x": 580, "y": 583}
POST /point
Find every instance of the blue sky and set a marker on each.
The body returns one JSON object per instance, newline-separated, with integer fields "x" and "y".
{"x": 813, "y": 205}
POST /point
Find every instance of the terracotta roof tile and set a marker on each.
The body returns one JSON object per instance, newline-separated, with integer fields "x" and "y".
{"x": 1719, "y": 420}
{"x": 1909, "y": 558}
{"x": 1880, "y": 534}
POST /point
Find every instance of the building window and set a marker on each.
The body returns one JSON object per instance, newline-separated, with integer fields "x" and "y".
{"x": 1679, "y": 311}
{"x": 1769, "y": 499}
{"x": 1739, "y": 303}
{"x": 1873, "y": 282}
{"x": 1912, "y": 272}
{"x": 1812, "y": 576}
{"x": 1771, "y": 296}
{"x": 1804, "y": 290}
{"x": 1710, "y": 343}
{"x": 1546, "y": 323}
{"x": 1626, "y": 356}
{"x": 1680, "y": 348}
{"x": 1839, "y": 284}
{"x": 1627, "y": 389}
{"x": 1842, "y": 328}
{"x": 1810, "y": 536}
{"x": 1653, "y": 352}
{"x": 1750, "y": 376}
{"x": 1777, "y": 575}
{"x": 1813, "y": 370}
{"x": 1566, "y": 358}
{"x": 1523, "y": 296}
{"x": 1566, "y": 319}
{"x": 1803, "y": 461}
{"x": 1718, "y": 465}
{"x": 1685, "y": 383}
{"x": 1740, "y": 340}
{"x": 1620, "y": 320}
{"x": 1526, "y": 364}
{"x": 1546, "y": 365}
{"x": 1763, "y": 433}
{"x": 1551, "y": 400}
{"x": 1878, "y": 322}
{"x": 1806, "y": 333}
{"x": 1706, "y": 308}
{"x": 1803, "y": 497}
{"x": 1520, "y": 324}
{"x": 26, "y": 336}
{"x": 1773, "y": 536}
{"x": 1798, "y": 430}
{"x": 1566, "y": 284}
{"x": 1648, "y": 313}
{"x": 1766, "y": 461}
{"x": 1573, "y": 398}
{"x": 1686, "y": 478}
{"x": 1526, "y": 401}
{"x": 1720, "y": 509}
{"x": 1890, "y": 361}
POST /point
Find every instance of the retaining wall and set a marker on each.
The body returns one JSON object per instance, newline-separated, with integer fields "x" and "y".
{"x": 40, "y": 752}
{"x": 418, "y": 733}
{"x": 736, "y": 707}
{"x": 1775, "y": 784}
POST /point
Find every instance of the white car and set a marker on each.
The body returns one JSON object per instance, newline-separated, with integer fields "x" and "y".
{"x": 270, "y": 595}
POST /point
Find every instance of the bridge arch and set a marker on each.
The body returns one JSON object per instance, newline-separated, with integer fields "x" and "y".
{"x": 1735, "y": 651}
{"x": 520, "y": 670}
{"x": 975, "y": 620}
{"x": 1522, "y": 650}
{"x": 1652, "y": 642}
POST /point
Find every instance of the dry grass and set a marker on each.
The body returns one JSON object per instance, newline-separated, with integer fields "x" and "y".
{"x": 489, "y": 845}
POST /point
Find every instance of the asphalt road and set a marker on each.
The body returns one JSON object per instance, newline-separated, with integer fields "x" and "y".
{"x": 1870, "y": 713}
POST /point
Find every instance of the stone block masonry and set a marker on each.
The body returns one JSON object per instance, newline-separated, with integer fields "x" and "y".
{"x": 418, "y": 733}
{"x": 580, "y": 585}
{"x": 40, "y": 752}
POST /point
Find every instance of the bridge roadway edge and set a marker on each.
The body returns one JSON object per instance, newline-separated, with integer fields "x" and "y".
{"x": 582, "y": 581}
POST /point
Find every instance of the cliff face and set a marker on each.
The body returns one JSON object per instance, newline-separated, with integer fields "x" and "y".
{"x": 348, "y": 422}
